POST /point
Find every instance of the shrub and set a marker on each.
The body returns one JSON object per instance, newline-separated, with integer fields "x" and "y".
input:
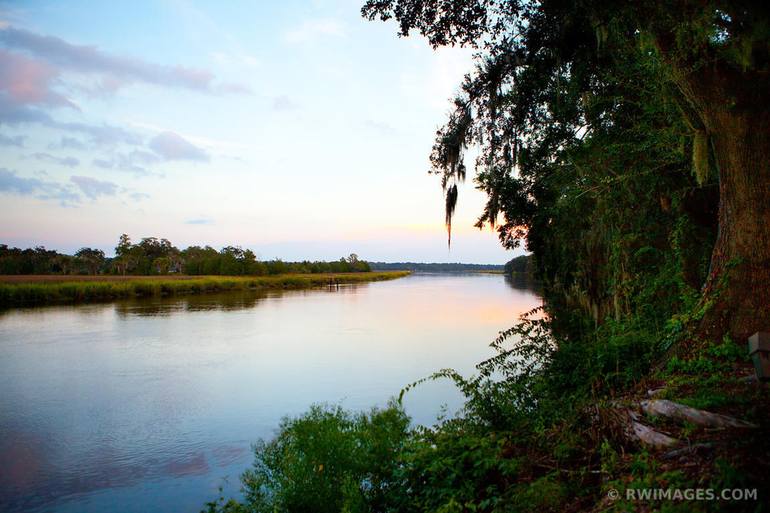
{"x": 326, "y": 460}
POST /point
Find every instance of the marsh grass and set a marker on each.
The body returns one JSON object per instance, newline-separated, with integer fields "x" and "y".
{"x": 58, "y": 292}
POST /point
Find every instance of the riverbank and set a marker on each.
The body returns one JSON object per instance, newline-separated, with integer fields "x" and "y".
{"x": 29, "y": 290}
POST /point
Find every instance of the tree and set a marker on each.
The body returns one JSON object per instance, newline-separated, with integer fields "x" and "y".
{"x": 122, "y": 261}
{"x": 121, "y": 264}
{"x": 521, "y": 265}
{"x": 91, "y": 259}
{"x": 124, "y": 245}
{"x": 161, "y": 265}
{"x": 63, "y": 264}
{"x": 540, "y": 89}
{"x": 175, "y": 261}
{"x": 720, "y": 64}
{"x": 231, "y": 258}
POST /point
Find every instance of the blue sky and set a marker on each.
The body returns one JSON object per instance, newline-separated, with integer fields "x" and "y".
{"x": 296, "y": 129}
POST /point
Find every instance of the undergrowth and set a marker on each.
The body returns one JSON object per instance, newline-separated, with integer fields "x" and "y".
{"x": 538, "y": 432}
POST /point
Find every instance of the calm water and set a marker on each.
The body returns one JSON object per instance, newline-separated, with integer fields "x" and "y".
{"x": 150, "y": 406}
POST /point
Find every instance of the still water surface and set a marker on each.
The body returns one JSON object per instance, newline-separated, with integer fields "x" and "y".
{"x": 151, "y": 405}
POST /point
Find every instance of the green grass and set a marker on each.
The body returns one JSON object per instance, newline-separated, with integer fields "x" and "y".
{"x": 24, "y": 294}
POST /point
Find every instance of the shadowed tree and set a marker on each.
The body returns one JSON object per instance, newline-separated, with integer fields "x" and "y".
{"x": 63, "y": 264}
{"x": 91, "y": 259}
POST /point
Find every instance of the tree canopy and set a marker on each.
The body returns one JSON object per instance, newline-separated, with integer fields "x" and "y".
{"x": 577, "y": 105}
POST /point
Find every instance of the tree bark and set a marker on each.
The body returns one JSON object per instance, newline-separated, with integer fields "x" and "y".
{"x": 733, "y": 107}
{"x": 739, "y": 279}
{"x": 683, "y": 413}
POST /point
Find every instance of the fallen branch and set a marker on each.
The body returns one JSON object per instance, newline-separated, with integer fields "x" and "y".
{"x": 672, "y": 410}
{"x": 649, "y": 436}
{"x": 621, "y": 422}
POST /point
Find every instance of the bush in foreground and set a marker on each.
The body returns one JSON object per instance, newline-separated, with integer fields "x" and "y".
{"x": 539, "y": 432}
{"x": 326, "y": 460}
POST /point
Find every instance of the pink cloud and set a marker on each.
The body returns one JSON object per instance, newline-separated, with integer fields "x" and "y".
{"x": 28, "y": 81}
{"x": 116, "y": 70}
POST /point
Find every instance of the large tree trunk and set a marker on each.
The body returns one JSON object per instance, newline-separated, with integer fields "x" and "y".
{"x": 733, "y": 108}
{"x": 739, "y": 280}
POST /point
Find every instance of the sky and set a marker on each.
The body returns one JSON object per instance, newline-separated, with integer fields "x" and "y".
{"x": 296, "y": 129}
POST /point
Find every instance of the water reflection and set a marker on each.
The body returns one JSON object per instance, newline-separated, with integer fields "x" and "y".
{"x": 226, "y": 302}
{"x": 148, "y": 405}
{"x": 223, "y": 301}
{"x": 521, "y": 281}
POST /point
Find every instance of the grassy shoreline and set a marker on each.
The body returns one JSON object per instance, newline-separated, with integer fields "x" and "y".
{"x": 42, "y": 290}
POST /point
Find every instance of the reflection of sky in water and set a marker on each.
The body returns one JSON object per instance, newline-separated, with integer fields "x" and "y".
{"x": 138, "y": 406}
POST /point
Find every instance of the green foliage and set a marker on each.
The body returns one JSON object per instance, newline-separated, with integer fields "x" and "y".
{"x": 18, "y": 294}
{"x": 529, "y": 437}
{"x": 704, "y": 379}
{"x": 713, "y": 358}
{"x": 326, "y": 460}
{"x": 153, "y": 256}
{"x": 43, "y": 261}
{"x": 584, "y": 116}
{"x": 523, "y": 265}
{"x": 454, "y": 467}
{"x": 522, "y": 420}
{"x": 585, "y": 132}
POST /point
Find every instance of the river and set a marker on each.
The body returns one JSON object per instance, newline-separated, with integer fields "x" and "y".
{"x": 152, "y": 405}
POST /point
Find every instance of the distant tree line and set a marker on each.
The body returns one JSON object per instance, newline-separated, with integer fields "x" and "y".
{"x": 520, "y": 273}
{"x": 524, "y": 264}
{"x": 40, "y": 260}
{"x": 433, "y": 267}
{"x": 158, "y": 256}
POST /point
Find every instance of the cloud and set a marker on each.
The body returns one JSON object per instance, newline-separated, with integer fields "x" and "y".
{"x": 17, "y": 140}
{"x": 132, "y": 162}
{"x": 62, "y": 161}
{"x": 12, "y": 183}
{"x": 14, "y": 114}
{"x": 216, "y": 144}
{"x": 116, "y": 71}
{"x": 100, "y": 134}
{"x": 32, "y": 71}
{"x": 69, "y": 143}
{"x": 65, "y": 193}
{"x": 283, "y": 102}
{"x": 310, "y": 30}
{"x": 94, "y": 188}
{"x": 199, "y": 221}
{"x": 28, "y": 81}
{"x": 172, "y": 146}
{"x": 142, "y": 157}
